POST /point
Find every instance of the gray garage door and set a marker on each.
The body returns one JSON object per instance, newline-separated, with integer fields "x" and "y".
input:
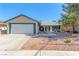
{"x": 22, "y": 28}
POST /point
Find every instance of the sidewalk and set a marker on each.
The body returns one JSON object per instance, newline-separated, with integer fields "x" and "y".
{"x": 42, "y": 53}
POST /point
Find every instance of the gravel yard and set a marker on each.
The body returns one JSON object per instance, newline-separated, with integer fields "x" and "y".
{"x": 43, "y": 43}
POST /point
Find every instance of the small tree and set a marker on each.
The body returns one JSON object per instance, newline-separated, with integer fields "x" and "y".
{"x": 70, "y": 15}
{"x": 72, "y": 19}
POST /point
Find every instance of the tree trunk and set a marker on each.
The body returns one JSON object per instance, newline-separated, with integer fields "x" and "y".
{"x": 73, "y": 28}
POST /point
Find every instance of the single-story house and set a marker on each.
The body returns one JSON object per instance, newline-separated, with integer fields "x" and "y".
{"x": 53, "y": 26}
{"x": 22, "y": 24}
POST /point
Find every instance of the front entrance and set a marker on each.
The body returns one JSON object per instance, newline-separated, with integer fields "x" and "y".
{"x": 41, "y": 29}
{"x": 49, "y": 28}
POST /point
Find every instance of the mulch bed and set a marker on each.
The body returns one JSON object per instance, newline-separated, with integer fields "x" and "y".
{"x": 44, "y": 44}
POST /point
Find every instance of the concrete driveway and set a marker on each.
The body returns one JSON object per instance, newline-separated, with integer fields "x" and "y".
{"x": 12, "y": 41}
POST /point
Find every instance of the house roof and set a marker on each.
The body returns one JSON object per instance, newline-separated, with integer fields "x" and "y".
{"x": 19, "y": 16}
{"x": 50, "y": 23}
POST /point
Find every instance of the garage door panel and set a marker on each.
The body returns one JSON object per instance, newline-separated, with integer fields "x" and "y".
{"x": 22, "y": 28}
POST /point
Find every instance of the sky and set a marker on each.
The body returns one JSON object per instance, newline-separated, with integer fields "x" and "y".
{"x": 39, "y": 11}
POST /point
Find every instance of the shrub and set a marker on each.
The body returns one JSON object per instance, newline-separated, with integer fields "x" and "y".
{"x": 69, "y": 40}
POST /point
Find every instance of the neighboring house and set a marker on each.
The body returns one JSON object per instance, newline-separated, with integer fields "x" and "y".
{"x": 69, "y": 28}
{"x": 77, "y": 27}
{"x": 3, "y": 28}
{"x": 22, "y": 25}
{"x": 50, "y": 26}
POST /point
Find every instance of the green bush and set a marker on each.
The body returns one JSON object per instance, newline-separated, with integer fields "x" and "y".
{"x": 69, "y": 40}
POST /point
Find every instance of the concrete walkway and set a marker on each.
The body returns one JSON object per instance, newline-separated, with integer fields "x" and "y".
{"x": 12, "y": 41}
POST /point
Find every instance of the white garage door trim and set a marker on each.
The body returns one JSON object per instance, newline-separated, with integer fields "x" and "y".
{"x": 29, "y": 28}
